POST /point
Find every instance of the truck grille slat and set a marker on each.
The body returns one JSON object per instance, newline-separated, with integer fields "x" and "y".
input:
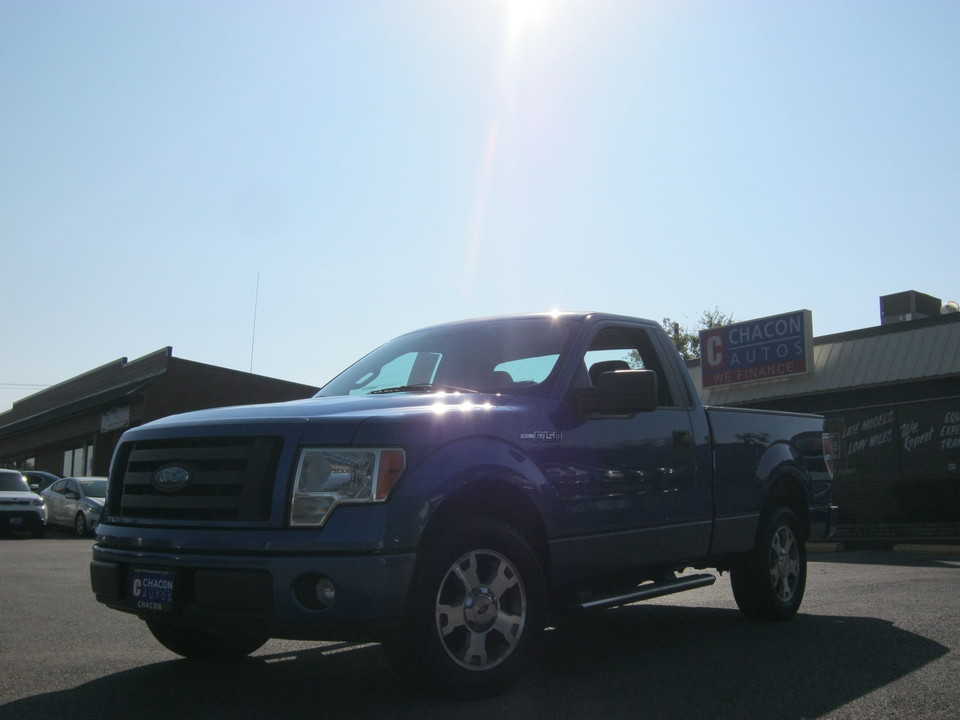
{"x": 230, "y": 480}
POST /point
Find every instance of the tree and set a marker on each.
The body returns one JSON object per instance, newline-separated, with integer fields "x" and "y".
{"x": 686, "y": 340}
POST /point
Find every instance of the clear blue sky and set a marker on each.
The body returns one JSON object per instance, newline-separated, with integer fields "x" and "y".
{"x": 382, "y": 166}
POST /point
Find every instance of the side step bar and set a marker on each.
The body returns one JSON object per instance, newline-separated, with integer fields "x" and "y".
{"x": 648, "y": 591}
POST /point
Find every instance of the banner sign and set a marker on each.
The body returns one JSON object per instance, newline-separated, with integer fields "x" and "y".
{"x": 911, "y": 441}
{"x": 765, "y": 349}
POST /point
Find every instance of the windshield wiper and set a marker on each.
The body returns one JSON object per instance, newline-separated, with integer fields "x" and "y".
{"x": 421, "y": 387}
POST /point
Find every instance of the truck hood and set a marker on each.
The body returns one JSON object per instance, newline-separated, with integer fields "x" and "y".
{"x": 347, "y": 407}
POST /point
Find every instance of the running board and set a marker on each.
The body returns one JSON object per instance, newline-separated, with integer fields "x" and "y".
{"x": 649, "y": 591}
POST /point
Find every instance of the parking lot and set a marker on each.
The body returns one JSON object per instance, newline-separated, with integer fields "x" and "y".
{"x": 877, "y": 637}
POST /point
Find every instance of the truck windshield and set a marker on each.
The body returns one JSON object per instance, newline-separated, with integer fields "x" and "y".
{"x": 502, "y": 355}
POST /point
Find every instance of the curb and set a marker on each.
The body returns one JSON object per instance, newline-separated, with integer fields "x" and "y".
{"x": 927, "y": 549}
{"x": 903, "y": 548}
{"x": 825, "y": 547}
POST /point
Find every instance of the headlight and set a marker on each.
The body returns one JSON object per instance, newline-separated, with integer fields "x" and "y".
{"x": 327, "y": 477}
{"x": 38, "y": 502}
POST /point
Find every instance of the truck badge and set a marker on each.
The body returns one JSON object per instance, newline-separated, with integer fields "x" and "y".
{"x": 171, "y": 478}
{"x": 543, "y": 436}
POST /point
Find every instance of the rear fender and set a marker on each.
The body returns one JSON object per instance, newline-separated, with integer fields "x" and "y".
{"x": 744, "y": 495}
{"x": 783, "y": 482}
{"x": 787, "y": 490}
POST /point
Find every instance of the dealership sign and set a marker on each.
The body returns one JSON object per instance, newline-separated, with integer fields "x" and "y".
{"x": 764, "y": 349}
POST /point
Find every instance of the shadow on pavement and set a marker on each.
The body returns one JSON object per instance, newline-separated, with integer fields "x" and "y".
{"x": 652, "y": 661}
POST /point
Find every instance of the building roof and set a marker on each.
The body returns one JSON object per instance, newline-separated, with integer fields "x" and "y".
{"x": 106, "y": 385}
{"x": 925, "y": 349}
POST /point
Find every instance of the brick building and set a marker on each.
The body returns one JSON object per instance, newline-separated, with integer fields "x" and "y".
{"x": 72, "y": 428}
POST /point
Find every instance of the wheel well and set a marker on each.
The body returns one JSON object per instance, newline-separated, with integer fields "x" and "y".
{"x": 787, "y": 491}
{"x": 496, "y": 500}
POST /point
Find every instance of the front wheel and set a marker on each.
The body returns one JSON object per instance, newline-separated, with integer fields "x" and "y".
{"x": 207, "y": 645}
{"x": 475, "y": 613}
{"x": 80, "y": 525}
{"x": 770, "y": 582}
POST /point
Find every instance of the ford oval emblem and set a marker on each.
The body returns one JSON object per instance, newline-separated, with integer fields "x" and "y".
{"x": 171, "y": 478}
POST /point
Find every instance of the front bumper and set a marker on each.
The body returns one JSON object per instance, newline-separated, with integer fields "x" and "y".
{"x": 22, "y": 521}
{"x": 271, "y": 594}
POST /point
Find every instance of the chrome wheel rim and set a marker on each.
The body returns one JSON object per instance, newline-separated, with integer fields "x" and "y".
{"x": 784, "y": 564}
{"x": 481, "y": 610}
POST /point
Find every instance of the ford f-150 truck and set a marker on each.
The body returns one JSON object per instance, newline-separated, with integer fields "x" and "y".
{"x": 454, "y": 491}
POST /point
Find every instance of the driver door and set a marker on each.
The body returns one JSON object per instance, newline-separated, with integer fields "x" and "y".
{"x": 633, "y": 487}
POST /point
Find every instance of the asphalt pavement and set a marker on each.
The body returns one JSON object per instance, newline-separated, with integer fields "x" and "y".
{"x": 876, "y": 638}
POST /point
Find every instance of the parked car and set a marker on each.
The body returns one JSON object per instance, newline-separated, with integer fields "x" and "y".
{"x": 20, "y": 509}
{"x": 76, "y": 502}
{"x": 39, "y": 480}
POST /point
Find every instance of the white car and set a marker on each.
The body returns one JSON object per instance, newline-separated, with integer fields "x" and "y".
{"x": 76, "y": 502}
{"x": 20, "y": 509}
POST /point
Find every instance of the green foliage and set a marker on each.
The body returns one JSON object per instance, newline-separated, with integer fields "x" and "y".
{"x": 687, "y": 340}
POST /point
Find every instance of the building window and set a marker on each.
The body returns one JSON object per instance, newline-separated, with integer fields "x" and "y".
{"x": 20, "y": 464}
{"x": 78, "y": 460}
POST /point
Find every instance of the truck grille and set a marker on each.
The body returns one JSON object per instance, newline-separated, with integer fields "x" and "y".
{"x": 230, "y": 479}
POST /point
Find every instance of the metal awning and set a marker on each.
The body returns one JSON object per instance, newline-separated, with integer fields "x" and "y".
{"x": 102, "y": 399}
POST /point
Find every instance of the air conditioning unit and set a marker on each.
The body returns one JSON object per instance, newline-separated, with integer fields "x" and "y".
{"x": 906, "y": 306}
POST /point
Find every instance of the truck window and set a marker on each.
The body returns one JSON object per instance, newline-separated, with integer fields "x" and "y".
{"x": 616, "y": 348}
{"x": 528, "y": 370}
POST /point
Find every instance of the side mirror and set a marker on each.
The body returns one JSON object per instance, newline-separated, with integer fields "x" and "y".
{"x": 620, "y": 392}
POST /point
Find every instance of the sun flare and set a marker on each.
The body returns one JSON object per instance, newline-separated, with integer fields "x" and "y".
{"x": 524, "y": 15}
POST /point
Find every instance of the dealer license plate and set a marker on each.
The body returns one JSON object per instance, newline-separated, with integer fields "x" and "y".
{"x": 152, "y": 589}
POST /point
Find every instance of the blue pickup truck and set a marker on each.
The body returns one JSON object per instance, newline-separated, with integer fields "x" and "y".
{"x": 452, "y": 493}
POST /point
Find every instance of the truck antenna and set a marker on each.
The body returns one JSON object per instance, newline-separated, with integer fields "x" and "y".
{"x": 253, "y": 340}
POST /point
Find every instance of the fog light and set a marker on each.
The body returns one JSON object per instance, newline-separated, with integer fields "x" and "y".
{"x": 315, "y": 591}
{"x": 325, "y": 591}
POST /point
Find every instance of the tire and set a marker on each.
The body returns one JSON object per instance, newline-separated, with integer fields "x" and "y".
{"x": 80, "y": 525}
{"x": 206, "y": 645}
{"x": 475, "y": 613}
{"x": 769, "y": 583}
